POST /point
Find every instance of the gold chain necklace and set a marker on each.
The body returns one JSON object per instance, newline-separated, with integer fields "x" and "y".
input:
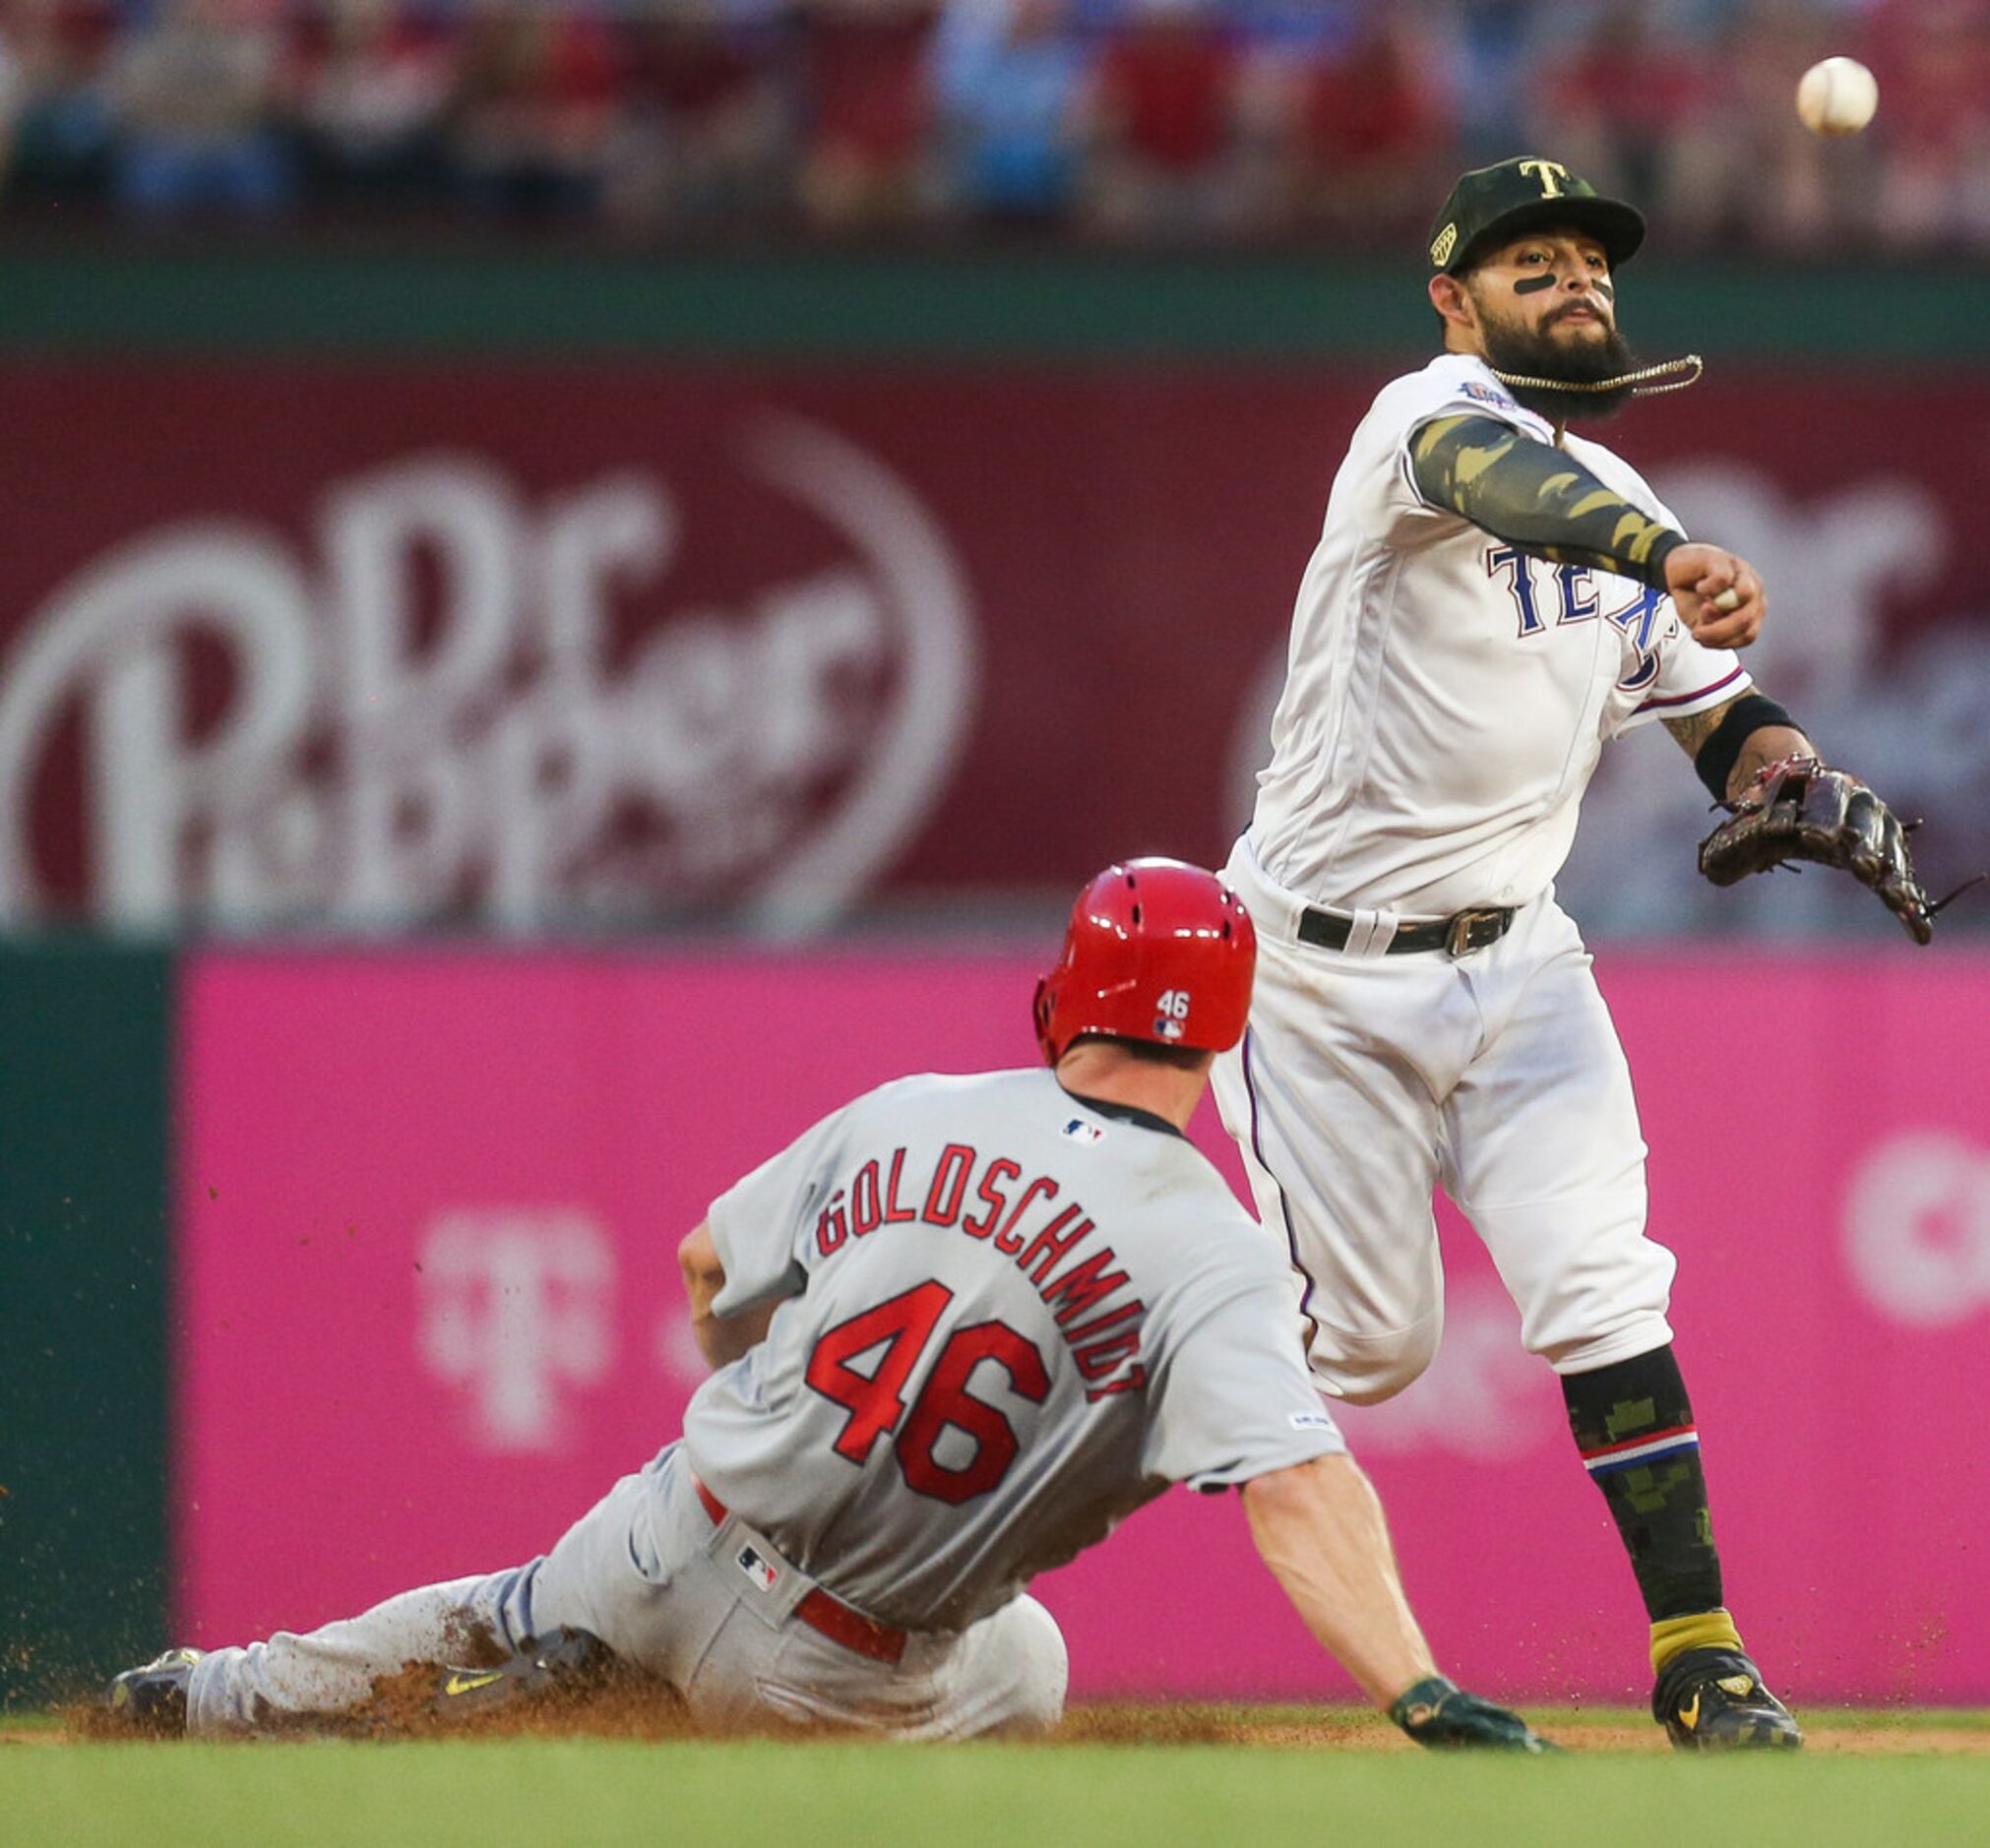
{"x": 1691, "y": 366}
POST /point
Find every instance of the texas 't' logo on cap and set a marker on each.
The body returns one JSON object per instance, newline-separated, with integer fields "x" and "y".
{"x": 1529, "y": 192}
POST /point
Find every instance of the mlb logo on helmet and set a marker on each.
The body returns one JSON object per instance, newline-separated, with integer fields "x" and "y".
{"x": 1139, "y": 925}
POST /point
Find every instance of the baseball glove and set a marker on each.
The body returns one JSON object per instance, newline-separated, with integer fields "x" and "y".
{"x": 1799, "y": 809}
{"x": 1439, "y": 1712}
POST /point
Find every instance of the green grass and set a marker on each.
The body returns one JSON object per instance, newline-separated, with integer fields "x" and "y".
{"x": 820, "y": 1796}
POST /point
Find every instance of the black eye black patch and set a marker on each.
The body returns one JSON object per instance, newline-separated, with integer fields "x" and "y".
{"x": 1608, "y": 291}
{"x": 1533, "y": 285}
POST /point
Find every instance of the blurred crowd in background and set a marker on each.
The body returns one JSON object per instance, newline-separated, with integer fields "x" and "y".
{"x": 1143, "y": 122}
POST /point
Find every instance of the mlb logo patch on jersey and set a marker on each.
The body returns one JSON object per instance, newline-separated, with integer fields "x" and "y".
{"x": 1489, "y": 395}
{"x": 1081, "y": 1130}
{"x": 763, "y": 1572}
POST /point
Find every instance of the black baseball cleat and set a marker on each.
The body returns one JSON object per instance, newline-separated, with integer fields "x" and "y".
{"x": 1714, "y": 1700}
{"x": 153, "y": 1698}
{"x": 561, "y": 1658}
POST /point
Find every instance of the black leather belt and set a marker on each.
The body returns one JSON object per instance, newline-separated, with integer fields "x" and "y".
{"x": 1457, "y": 935}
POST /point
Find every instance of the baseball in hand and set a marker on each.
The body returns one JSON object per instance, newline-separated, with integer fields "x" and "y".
{"x": 1728, "y": 599}
{"x": 1837, "y": 96}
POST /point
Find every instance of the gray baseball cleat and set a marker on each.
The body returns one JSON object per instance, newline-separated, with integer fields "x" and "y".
{"x": 1714, "y": 1700}
{"x": 153, "y": 1698}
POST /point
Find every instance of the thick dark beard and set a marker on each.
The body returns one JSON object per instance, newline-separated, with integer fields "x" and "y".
{"x": 1538, "y": 354}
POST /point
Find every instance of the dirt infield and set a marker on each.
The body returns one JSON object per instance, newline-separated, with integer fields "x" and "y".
{"x": 630, "y": 1708}
{"x": 1339, "y": 1729}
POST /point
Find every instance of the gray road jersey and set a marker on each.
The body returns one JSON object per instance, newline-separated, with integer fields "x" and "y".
{"x": 1010, "y": 1318}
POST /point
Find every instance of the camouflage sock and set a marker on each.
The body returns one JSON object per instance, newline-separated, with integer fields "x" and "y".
{"x": 1634, "y": 1426}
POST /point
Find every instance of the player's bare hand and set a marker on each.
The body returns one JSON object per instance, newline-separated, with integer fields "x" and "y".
{"x": 1719, "y": 596}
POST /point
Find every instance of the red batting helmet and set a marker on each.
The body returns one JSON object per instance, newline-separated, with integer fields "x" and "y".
{"x": 1156, "y": 950}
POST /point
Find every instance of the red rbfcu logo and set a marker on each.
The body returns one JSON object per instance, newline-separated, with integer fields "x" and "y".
{"x": 453, "y": 703}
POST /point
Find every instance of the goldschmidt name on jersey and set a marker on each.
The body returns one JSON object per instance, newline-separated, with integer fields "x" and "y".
{"x": 1102, "y": 1346}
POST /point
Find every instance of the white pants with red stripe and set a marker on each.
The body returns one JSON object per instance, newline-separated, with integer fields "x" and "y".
{"x": 1365, "y": 1080}
{"x": 649, "y": 1574}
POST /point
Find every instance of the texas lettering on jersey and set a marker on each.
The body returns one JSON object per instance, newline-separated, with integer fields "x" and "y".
{"x": 986, "y": 1198}
{"x": 1555, "y": 597}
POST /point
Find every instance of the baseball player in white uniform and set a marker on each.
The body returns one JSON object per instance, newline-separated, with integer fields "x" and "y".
{"x": 962, "y": 1327}
{"x": 1492, "y": 599}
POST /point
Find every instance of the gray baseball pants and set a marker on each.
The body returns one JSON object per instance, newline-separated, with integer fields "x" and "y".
{"x": 648, "y": 1572}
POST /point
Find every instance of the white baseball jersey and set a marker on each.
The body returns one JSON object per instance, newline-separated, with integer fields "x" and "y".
{"x": 1010, "y": 1317}
{"x": 1447, "y": 697}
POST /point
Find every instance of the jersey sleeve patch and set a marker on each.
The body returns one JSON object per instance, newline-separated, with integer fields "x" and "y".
{"x": 1490, "y": 394}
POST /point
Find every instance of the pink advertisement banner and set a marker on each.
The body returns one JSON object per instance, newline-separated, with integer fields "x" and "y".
{"x": 428, "y": 1308}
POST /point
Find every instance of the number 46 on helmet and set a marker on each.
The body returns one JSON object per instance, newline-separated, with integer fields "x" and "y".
{"x": 1156, "y": 950}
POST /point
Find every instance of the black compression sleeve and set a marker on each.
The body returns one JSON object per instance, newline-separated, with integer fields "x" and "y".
{"x": 1715, "y": 761}
{"x": 1532, "y": 495}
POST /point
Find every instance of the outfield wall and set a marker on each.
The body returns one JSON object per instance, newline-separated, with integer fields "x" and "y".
{"x": 364, "y": 646}
{"x": 377, "y": 590}
{"x": 427, "y": 1204}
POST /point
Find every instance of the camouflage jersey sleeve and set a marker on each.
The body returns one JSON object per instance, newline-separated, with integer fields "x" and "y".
{"x": 1536, "y": 498}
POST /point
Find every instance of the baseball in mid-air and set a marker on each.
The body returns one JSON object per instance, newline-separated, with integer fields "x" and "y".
{"x": 1837, "y": 96}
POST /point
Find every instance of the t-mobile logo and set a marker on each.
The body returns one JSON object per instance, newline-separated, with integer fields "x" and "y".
{"x": 1917, "y": 1228}
{"x": 516, "y": 1303}
{"x": 1482, "y": 1397}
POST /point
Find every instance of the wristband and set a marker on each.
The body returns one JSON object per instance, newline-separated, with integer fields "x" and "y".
{"x": 1715, "y": 761}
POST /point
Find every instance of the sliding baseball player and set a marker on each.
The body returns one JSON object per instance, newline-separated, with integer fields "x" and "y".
{"x": 961, "y": 1329}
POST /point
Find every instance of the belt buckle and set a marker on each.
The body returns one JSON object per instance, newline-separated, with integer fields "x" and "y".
{"x": 1461, "y": 937}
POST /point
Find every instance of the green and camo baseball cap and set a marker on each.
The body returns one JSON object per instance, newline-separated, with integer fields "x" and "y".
{"x": 1490, "y": 205}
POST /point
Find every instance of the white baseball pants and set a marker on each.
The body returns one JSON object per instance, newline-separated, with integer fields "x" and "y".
{"x": 648, "y": 1572}
{"x": 1365, "y": 1080}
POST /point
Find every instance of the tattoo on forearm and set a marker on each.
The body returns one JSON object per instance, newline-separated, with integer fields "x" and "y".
{"x": 1696, "y": 728}
{"x": 1536, "y": 498}
{"x": 1770, "y": 745}
{"x": 1730, "y": 770}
